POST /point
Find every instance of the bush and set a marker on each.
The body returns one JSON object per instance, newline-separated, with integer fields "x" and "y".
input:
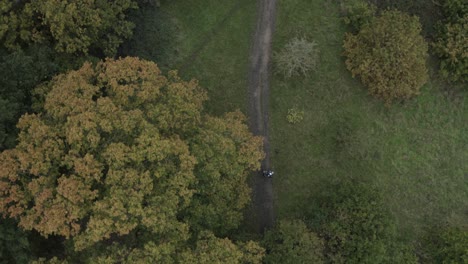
{"x": 295, "y": 115}
{"x": 298, "y": 57}
{"x": 291, "y": 242}
{"x": 358, "y": 13}
{"x": 389, "y": 56}
{"x": 451, "y": 43}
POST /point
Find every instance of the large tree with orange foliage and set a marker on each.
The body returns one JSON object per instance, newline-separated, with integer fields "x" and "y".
{"x": 119, "y": 150}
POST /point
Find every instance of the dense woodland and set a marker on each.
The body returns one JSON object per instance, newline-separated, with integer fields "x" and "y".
{"x": 110, "y": 155}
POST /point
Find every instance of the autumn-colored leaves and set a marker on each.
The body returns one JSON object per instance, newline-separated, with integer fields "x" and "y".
{"x": 119, "y": 147}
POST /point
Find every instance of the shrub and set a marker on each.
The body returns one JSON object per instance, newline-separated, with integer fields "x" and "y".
{"x": 389, "y": 56}
{"x": 298, "y": 57}
{"x": 451, "y": 43}
{"x": 292, "y": 242}
{"x": 295, "y": 115}
{"x": 358, "y": 13}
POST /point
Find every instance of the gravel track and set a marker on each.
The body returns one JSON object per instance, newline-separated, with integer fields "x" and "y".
{"x": 258, "y": 90}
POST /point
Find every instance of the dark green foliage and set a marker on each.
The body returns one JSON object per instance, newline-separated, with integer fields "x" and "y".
{"x": 292, "y": 242}
{"x": 358, "y": 13}
{"x": 451, "y": 43}
{"x": 427, "y": 11}
{"x": 389, "y": 56}
{"x": 446, "y": 245}
{"x": 14, "y": 245}
{"x": 20, "y": 72}
{"x": 454, "y": 9}
{"x": 154, "y": 38}
{"x": 357, "y": 226}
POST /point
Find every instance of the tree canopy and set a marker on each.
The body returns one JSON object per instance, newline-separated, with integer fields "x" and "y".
{"x": 358, "y": 228}
{"x": 451, "y": 43}
{"x": 389, "y": 56}
{"x": 121, "y": 151}
{"x": 21, "y": 71}
{"x": 292, "y": 242}
{"x": 71, "y": 26}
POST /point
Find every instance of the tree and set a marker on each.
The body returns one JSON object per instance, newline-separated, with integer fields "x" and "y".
{"x": 389, "y": 56}
{"x": 121, "y": 153}
{"x": 358, "y": 13}
{"x": 447, "y": 245}
{"x": 225, "y": 151}
{"x": 298, "y": 57}
{"x": 292, "y": 242}
{"x": 21, "y": 71}
{"x": 210, "y": 249}
{"x": 72, "y": 26}
{"x": 14, "y": 245}
{"x": 451, "y": 44}
{"x": 358, "y": 228}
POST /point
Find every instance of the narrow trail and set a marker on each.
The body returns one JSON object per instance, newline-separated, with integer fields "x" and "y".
{"x": 258, "y": 90}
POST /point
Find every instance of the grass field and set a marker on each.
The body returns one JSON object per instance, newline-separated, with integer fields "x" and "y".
{"x": 416, "y": 152}
{"x": 206, "y": 40}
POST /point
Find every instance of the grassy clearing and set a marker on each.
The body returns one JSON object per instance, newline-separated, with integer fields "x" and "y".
{"x": 415, "y": 152}
{"x": 172, "y": 34}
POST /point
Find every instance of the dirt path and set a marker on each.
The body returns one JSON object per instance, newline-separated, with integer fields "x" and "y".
{"x": 258, "y": 108}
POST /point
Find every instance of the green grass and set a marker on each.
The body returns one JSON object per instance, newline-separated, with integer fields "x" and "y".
{"x": 171, "y": 34}
{"x": 415, "y": 152}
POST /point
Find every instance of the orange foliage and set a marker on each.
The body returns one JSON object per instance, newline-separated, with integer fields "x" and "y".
{"x": 120, "y": 146}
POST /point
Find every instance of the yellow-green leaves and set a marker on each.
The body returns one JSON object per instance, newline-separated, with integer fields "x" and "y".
{"x": 72, "y": 26}
{"x": 226, "y": 152}
{"x": 119, "y": 148}
{"x": 389, "y": 56}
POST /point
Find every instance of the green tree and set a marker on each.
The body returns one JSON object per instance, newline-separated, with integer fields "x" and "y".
{"x": 21, "y": 71}
{"x": 389, "y": 56}
{"x": 14, "y": 244}
{"x": 72, "y": 26}
{"x": 121, "y": 153}
{"x": 451, "y": 43}
{"x": 358, "y": 228}
{"x": 358, "y": 13}
{"x": 225, "y": 152}
{"x": 210, "y": 249}
{"x": 292, "y": 242}
{"x": 447, "y": 245}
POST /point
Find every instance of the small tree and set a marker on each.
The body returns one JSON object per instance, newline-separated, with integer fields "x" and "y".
{"x": 389, "y": 56}
{"x": 451, "y": 44}
{"x": 299, "y": 56}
